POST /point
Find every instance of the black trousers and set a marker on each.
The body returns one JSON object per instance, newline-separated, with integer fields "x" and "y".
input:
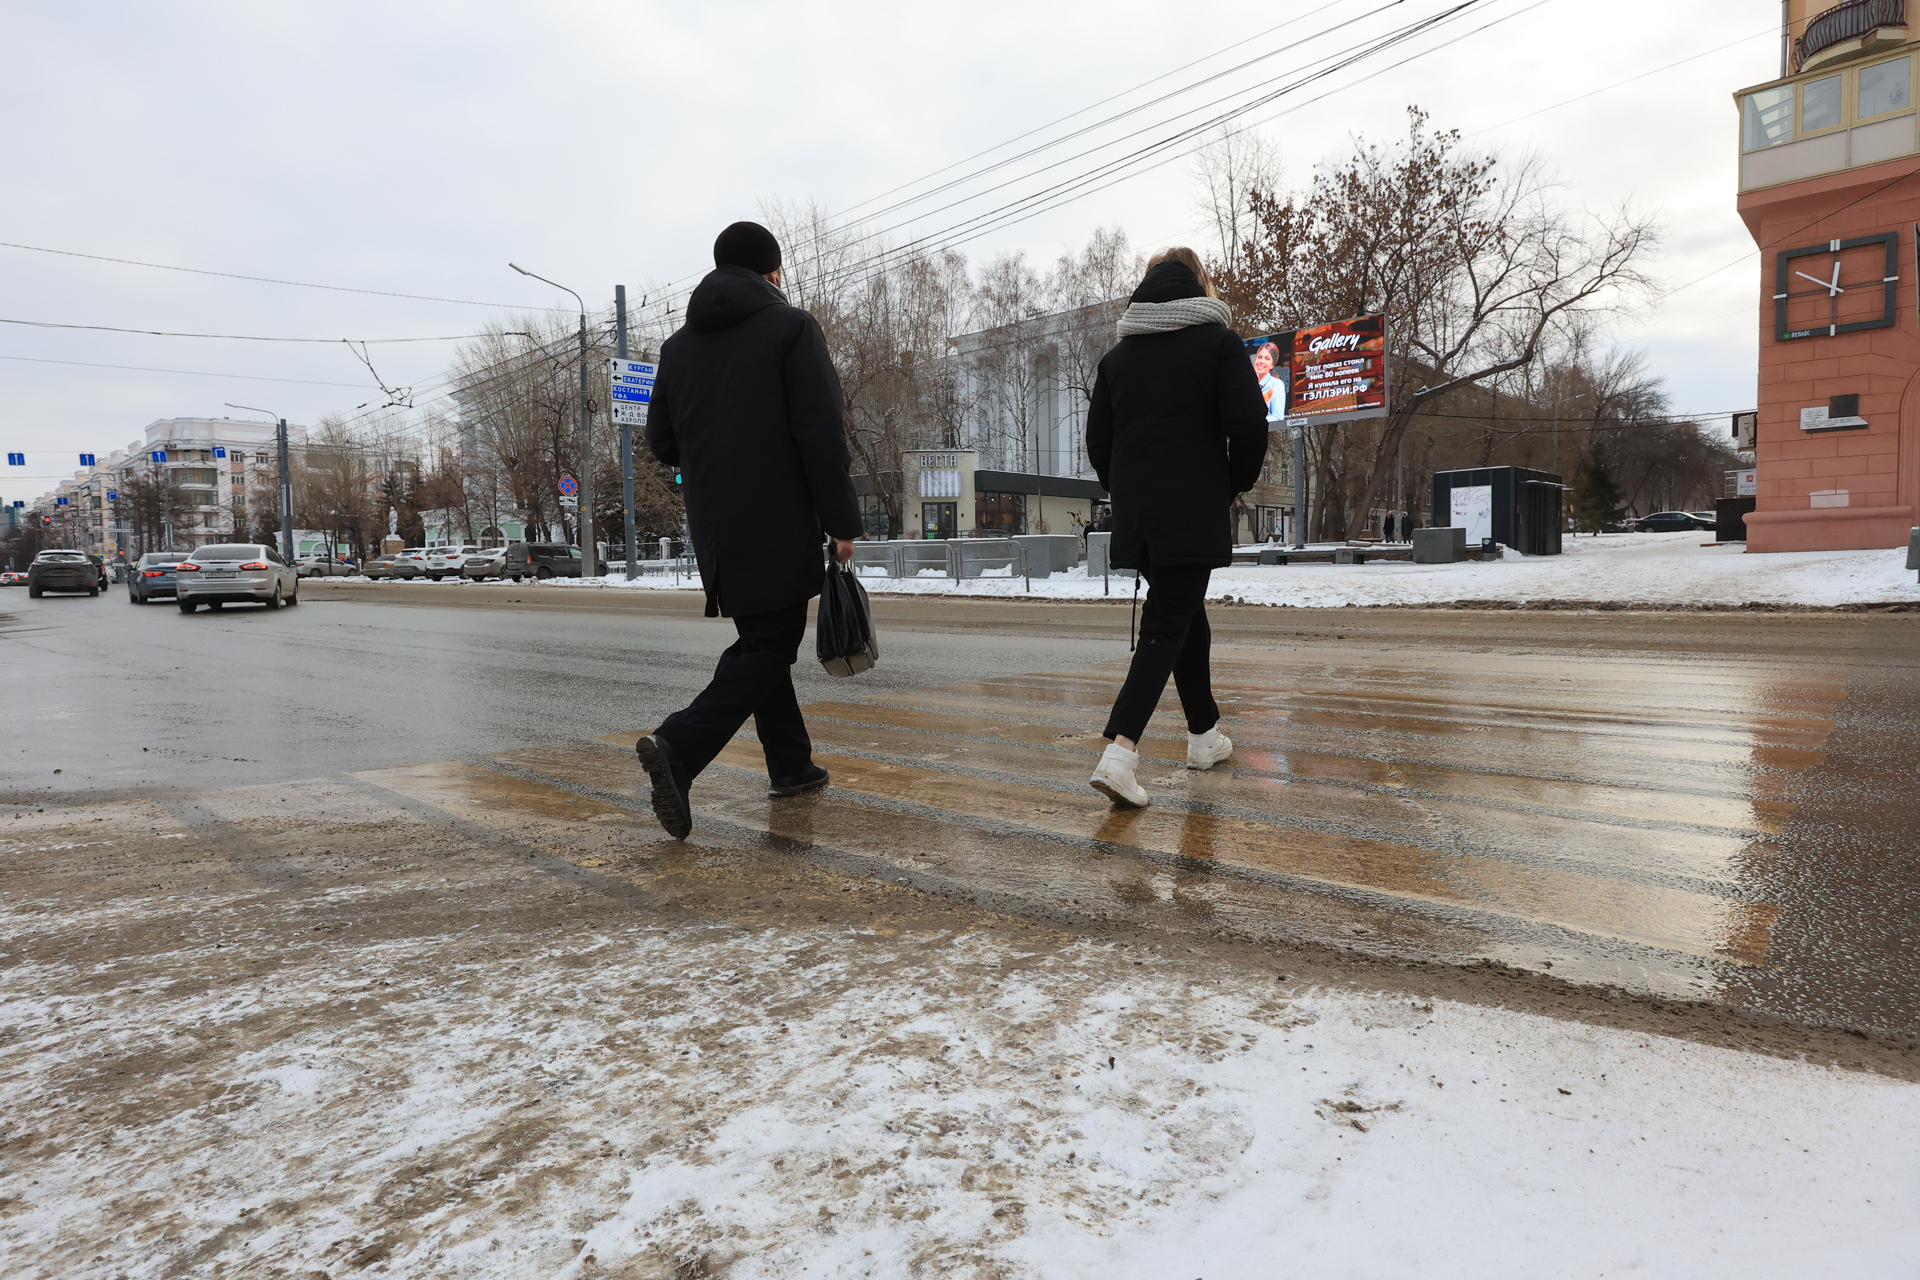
{"x": 754, "y": 678}
{"x": 1174, "y": 640}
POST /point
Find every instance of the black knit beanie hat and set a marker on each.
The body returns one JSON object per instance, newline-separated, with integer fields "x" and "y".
{"x": 749, "y": 245}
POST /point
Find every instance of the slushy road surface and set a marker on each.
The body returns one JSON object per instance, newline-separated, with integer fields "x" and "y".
{"x": 1715, "y": 808}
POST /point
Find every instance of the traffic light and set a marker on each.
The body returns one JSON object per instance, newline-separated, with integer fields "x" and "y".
{"x": 676, "y": 477}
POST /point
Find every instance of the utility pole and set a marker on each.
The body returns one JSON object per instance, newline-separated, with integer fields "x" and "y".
{"x": 286, "y": 479}
{"x": 590, "y": 562}
{"x": 286, "y": 495}
{"x": 626, "y": 431}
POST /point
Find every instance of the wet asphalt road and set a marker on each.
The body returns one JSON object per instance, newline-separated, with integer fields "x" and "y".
{"x": 118, "y": 696}
{"x": 1707, "y": 808}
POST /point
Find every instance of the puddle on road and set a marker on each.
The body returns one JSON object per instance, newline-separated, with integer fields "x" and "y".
{"x": 1625, "y": 805}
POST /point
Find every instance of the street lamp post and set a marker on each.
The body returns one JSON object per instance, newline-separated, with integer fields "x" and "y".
{"x": 286, "y": 479}
{"x": 589, "y": 566}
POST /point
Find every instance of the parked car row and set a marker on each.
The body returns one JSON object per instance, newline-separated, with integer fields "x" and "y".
{"x": 162, "y": 574}
{"x": 517, "y": 561}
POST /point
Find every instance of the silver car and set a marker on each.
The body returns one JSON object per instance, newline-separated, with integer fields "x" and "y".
{"x": 491, "y": 563}
{"x": 221, "y": 573}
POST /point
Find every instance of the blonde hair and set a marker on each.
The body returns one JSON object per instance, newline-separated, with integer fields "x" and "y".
{"x": 1188, "y": 259}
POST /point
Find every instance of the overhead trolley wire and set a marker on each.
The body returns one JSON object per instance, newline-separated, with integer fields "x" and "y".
{"x": 298, "y": 284}
{"x": 235, "y": 337}
{"x": 674, "y": 290}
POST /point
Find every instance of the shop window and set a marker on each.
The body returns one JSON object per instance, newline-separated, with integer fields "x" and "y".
{"x": 1766, "y": 118}
{"x": 1820, "y": 104}
{"x": 1000, "y": 514}
{"x": 1884, "y": 87}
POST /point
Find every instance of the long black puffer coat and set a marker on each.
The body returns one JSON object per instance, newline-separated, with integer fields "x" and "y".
{"x": 1176, "y": 430}
{"x": 748, "y": 406}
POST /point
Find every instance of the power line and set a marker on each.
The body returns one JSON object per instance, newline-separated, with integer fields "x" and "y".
{"x": 1067, "y": 189}
{"x": 236, "y": 337}
{"x": 1011, "y": 214}
{"x": 1070, "y": 189}
{"x": 195, "y": 373}
{"x": 1089, "y": 107}
{"x": 298, "y": 284}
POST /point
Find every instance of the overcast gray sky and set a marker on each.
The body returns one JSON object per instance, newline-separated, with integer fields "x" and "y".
{"x": 416, "y": 148}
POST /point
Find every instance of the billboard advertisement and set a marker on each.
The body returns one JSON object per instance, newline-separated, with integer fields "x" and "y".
{"x": 1334, "y": 372}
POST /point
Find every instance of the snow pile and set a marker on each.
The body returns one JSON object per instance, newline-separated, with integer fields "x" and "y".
{"x": 703, "y": 1099}
{"x": 1633, "y": 568}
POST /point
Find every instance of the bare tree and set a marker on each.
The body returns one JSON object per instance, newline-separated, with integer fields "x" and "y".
{"x": 1090, "y": 291}
{"x": 1479, "y": 271}
{"x": 1228, "y": 173}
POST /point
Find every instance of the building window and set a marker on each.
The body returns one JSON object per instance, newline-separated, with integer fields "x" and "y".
{"x": 1766, "y": 118}
{"x": 1000, "y": 513}
{"x": 874, "y": 520}
{"x": 1820, "y": 105}
{"x": 1883, "y": 87}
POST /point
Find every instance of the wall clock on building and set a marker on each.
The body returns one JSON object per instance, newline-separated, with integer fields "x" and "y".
{"x": 1836, "y": 287}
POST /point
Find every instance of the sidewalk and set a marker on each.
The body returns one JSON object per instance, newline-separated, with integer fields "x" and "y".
{"x": 1659, "y": 569}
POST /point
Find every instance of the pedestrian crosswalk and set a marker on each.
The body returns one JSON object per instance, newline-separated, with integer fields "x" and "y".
{"x": 1543, "y": 806}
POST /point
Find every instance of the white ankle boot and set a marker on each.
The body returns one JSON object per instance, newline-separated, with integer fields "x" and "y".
{"x": 1114, "y": 777}
{"x": 1205, "y": 750}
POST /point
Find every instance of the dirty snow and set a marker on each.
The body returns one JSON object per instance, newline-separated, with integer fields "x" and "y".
{"x": 1644, "y": 568}
{"x": 704, "y": 1100}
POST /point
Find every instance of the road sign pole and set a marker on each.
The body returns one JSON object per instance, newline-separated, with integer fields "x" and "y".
{"x": 1299, "y": 426}
{"x": 626, "y": 433}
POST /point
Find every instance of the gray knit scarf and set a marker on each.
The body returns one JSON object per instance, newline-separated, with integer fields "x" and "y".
{"x": 1165, "y": 317}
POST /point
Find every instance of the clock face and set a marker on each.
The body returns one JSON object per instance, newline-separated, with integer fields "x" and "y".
{"x": 1836, "y": 287}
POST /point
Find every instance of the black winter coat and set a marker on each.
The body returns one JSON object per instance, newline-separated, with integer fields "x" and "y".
{"x": 748, "y": 406}
{"x": 1176, "y": 430}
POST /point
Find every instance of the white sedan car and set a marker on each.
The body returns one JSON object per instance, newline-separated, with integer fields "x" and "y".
{"x": 446, "y": 562}
{"x": 225, "y": 573}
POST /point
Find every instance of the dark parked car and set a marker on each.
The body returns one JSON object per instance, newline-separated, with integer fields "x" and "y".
{"x": 1669, "y": 522}
{"x": 63, "y": 571}
{"x": 153, "y": 576}
{"x": 540, "y": 560}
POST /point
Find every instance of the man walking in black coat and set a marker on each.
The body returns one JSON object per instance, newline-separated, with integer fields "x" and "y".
{"x": 748, "y": 406}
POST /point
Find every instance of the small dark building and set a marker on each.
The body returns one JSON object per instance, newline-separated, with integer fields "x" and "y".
{"x": 1013, "y": 502}
{"x": 1513, "y": 506}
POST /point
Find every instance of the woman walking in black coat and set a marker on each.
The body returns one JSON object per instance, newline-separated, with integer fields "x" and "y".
{"x": 1176, "y": 431}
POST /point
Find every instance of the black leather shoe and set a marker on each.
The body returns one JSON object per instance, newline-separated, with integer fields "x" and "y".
{"x": 812, "y": 780}
{"x": 670, "y": 785}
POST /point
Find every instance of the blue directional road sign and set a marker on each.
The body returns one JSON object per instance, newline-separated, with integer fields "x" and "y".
{"x": 86, "y": 459}
{"x": 59, "y": 502}
{"x": 219, "y": 451}
{"x": 19, "y": 502}
{"x": 112, "y": 496}
{"x": 569, "y": 486}
{"x": 632, "y": 391}
{"x": 159, "y": 455}
{"x": 16, "y": 459}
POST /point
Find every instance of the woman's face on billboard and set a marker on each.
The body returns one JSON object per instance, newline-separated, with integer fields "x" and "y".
{"x": 1263, "y": 362}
